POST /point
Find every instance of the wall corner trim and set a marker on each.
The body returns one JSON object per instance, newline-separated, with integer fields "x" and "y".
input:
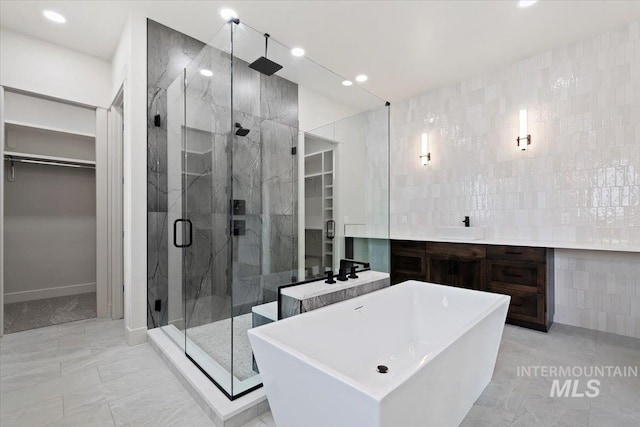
{"x": 135, "y": 336}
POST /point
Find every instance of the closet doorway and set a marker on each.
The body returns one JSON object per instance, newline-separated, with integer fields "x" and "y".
{"x": 55, "y": 220}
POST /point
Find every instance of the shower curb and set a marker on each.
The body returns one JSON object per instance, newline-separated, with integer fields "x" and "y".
{"x": 222, "y": 411}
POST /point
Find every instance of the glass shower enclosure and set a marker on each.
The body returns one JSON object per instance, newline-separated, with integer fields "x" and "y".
{"x": 236, "y": 171}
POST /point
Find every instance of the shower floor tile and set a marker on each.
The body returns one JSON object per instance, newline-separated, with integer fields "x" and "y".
{"x": 215, "y": 340}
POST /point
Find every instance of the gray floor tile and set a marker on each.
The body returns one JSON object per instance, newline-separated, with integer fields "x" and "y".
{"x": 83, "y": 374}
{"x": 38, "y": 414}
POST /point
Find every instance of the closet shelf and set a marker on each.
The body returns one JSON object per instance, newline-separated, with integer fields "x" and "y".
{"x": 314, "y": 175}
{"x": 47, "y": 128}
{"x": 316, "y": 153}
{"x": 61, "y": 161}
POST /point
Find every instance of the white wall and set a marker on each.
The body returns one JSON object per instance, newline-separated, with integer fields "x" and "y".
{"x": 129, "y": 68}
{"x": 316, "y": 110}
{"x": 584, "y": 161}
{"x": 102, "y": 220}
{"x": 584, "y": 164}
{"x": 37, "y": 66}
{"x": 2, "y": 142}
{"x": 49, "y": 235}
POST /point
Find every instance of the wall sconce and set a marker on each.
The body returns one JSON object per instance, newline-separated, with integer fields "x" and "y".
{"x": 425, "y": 155}
{"x": 524, "y": 138}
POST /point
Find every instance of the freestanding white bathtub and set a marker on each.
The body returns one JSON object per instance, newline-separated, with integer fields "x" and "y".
{"x": 439, "y": 343}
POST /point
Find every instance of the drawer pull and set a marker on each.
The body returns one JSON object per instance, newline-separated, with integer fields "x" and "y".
{"x": 513, "y": 253}
{"x": 512, "y": 275}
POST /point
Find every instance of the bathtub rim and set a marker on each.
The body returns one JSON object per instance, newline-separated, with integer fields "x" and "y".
{"x": 379, "y": 394}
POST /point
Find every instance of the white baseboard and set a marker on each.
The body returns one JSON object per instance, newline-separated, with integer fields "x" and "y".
{"x": 135, "y": 336}
{"x": 60, "y": 291}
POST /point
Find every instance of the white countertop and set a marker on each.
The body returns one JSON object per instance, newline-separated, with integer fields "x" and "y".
{"x": 313, "y": 289}
{"x": 613, "y": 247}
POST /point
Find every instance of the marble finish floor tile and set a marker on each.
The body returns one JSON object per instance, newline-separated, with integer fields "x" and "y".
{"x": 84, "y": 374}
{"x": 168, "y": 405}
{"x": 34, "y": 415}
{"x": 21, "y": 316}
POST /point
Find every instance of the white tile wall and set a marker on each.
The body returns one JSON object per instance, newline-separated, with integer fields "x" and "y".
{"x": 584, "y": 162}
{"x": 598, "y": 290}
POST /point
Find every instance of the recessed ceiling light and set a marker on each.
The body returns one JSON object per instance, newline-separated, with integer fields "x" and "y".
{"x": 362, "y": 78}
{"x": 297, "y": 51}
{"x": 347, "y": 83}
{"x": 526, "y": 3}
{"x": 54, "y": 16}
{"x": 206, "y": 73}
{"x": 228, "y": 14}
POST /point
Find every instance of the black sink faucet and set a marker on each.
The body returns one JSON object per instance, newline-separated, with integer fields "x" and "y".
{"x": 466, "y": 221}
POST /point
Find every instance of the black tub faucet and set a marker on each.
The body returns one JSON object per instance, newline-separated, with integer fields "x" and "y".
{"x": 466, "y": 221}
{"x": 330, "y": 277}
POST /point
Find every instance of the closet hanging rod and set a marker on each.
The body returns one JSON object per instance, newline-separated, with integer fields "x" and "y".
{"x": 48, "y": 163}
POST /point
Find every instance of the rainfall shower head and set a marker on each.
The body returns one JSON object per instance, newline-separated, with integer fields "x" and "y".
{"x": 240, "y": 131}
{"x": 264, "y": 65}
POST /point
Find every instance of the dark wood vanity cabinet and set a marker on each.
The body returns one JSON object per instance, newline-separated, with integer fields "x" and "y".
{"x": 462, "y": 265}
{"x": 524, "y": 273}
{"x": 408, "y": 261}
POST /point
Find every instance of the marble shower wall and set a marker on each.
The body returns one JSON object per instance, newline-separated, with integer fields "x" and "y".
{"x": 579, "y": 180}
{"x": 264, "y": 175}
{"x": 168, "y": 52}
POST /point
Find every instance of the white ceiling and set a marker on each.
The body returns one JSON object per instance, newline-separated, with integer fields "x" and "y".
{"x": 406, "y": 47}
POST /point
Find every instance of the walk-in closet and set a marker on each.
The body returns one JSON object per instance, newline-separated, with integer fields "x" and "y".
{"x": 54, "y": 216}
{"x": 320, "y": 222}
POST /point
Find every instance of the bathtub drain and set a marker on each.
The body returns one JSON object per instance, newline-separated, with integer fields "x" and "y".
{"x": 382, "y": 369}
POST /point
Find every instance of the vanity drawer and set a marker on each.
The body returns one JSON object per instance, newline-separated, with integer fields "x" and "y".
{"x": 456, "y": 250}
{"x": 525, "y": 306}
{"x": 518, "y": 273}
{"x": 409, "y": 264}
{"x": 516, "y": 253}
{"x": 407, "y": 246}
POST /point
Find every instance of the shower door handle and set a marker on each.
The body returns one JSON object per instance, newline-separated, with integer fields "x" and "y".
{"x": 175, "y": 233}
